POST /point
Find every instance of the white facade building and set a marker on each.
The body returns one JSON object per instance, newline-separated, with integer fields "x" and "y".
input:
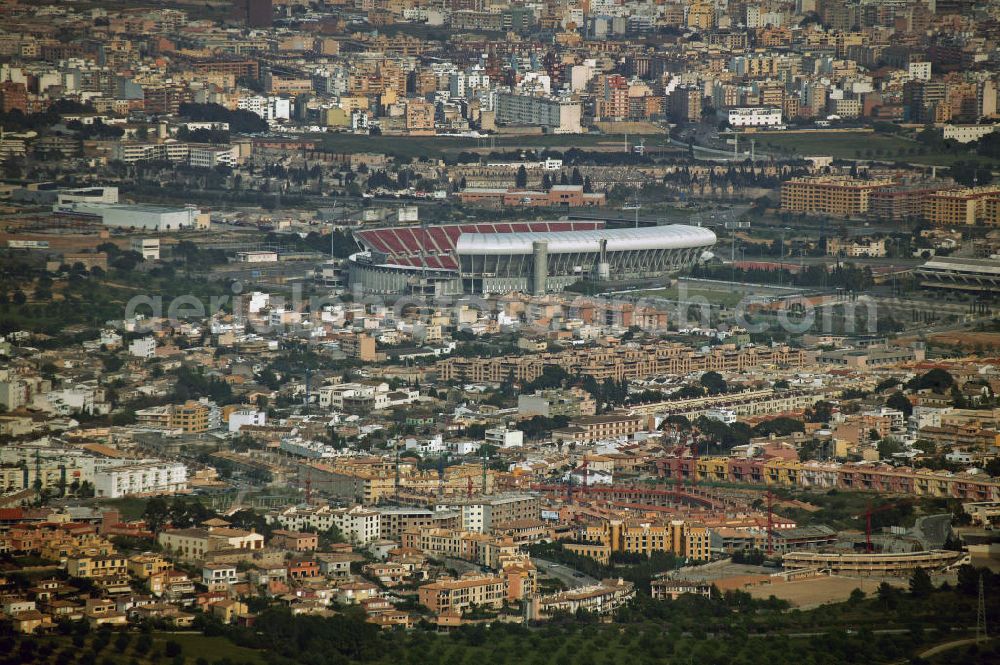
{"x": 143, "y": 347}
{"x": 153, "y": 478}
{"x": 754, "y": 117}
{"x": 268, "y": 108}
{"x": 149, "y": 248}
{"x": 238, "y": 419}
{"x": 207, "y": 157}
{"x": 159, "y": 218}
{"x": 920, "y": 71}
{"x": 967, "y": 133}
{"x": 505, "y": 438}
{"x": 358, "y": 525}
{"x": 556, "y": 115}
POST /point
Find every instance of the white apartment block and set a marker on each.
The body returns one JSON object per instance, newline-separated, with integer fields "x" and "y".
{"x": 149, "y": 248}
{"x": 505, "y": 438}
{"x": 358, "y": 525}
{"x": 207, "y": 157}
{"x": 299, "y": 518}
{"x": 238, "y": 419}
{"x": 555, "y": 115}
{"x": 268, "y": 108}
{"x": 754, "y": 117}
{"x": 140, "y": 479}
{"x": 967, "y": 133}
{"x": 143, "y": 347}
{"x": 920, "y": 71}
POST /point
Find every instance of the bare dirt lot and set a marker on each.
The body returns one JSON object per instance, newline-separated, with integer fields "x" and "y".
{"x": 969, "y": 340}
{"x": 819, "y": 590}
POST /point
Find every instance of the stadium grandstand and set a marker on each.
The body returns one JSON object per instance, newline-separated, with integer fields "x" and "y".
{"x": 980, "y": 276}
{"x": 500, "y": 257}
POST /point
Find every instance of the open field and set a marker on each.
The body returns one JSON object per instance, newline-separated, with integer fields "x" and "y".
{"x": 194, "y": 648}
{"x": 819, "y": 590}
{"x": 435, "y": 147}
{"x": 967, "y": 339}
{"x": 855, "y": 145}
{"x": 213, "y": 649}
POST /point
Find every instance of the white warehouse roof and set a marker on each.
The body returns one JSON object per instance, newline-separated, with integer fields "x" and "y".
{"x": 674, "y": 236}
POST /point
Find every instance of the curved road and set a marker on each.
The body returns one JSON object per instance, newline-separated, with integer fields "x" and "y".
{"x": 571, "y": 577}
{"x": 933, "y": 530}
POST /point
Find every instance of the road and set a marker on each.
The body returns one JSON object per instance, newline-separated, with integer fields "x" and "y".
{"x": 571, "y": 577}
{"x": 933, "y": 530}
{"x": 948, "y": 646}
{"x": 461, "y": 566}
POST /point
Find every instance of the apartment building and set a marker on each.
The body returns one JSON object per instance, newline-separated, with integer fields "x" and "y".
{"x": 154, "y": 478}
{"x": 590, "y": 429}
{"x": 89, "y": 567}
{"x": 195, "y": 543}
{"x": 357, "y": 524}
{"x": 754, "y": 117}
{"x": 191, "y": 417}
{"x": 959, "y": 207}
{"x": 571, "y": 402}
{"x": 838, "y": 196}
{"x": 359, "y": 346}
{"x": 599, "y": 599}
{"x": 859, "y": 476}
{"x": 679, "y": 537}
{"x": 555, "y": 115}
{"x": 684, "y": 104}
{"x": 621, "y": 362}
{"x": 393, "y": 522}
{"x": 863, "y": 247}
{"x": 483, "y": 514}
{"x": 456, "y": 596}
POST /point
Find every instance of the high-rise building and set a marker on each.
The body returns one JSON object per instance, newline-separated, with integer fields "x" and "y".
{"x": 254, "y": 13}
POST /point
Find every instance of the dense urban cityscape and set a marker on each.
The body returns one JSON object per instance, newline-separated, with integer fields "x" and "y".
{"x": 465, "y": 332}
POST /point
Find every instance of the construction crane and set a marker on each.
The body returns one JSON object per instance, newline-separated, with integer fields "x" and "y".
{"x": 770, "y": 522}
{"x": 678, "y": 463}
{"x": 869, "y": 511}
{"x": 486, "y": 458}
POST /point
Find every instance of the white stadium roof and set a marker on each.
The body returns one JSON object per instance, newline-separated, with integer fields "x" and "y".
{"x": 674, "y": 236}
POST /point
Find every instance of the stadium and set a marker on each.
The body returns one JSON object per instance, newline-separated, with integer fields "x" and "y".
{"x": 532, "y": 257}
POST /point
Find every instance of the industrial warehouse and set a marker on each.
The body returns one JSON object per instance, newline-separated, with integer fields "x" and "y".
{"x": 533, "y": 257}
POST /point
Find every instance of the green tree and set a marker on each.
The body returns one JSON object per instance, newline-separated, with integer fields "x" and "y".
{"x": 920, "y": 584}
{"x": 157, "y": 513}
{"x": 714, "y": 383}
{"x": 521, "y": 179}
{"x": 898, "y": 401}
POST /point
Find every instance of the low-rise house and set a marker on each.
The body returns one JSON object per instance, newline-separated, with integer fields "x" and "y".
{"x": 215, "y": 574}
{"x": 143, "y": 566}
{"x": 228, "y": 611}
{"x": 388, "y": 574}
{"x": 90, "y": 567}
{"x": 303, "y": 570}
{"x": 170, "y": 583}
{"x": 337, "y": 564}
{"x": 296, "y": 541}
{"x": 264, "y": 576}
{"x": 194, "y": 544}
{"x": 354, "y": 592}
{"x": 30, "y": 622}
{"x": 103, "y": 611}
{"x": 663, "y": 589}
